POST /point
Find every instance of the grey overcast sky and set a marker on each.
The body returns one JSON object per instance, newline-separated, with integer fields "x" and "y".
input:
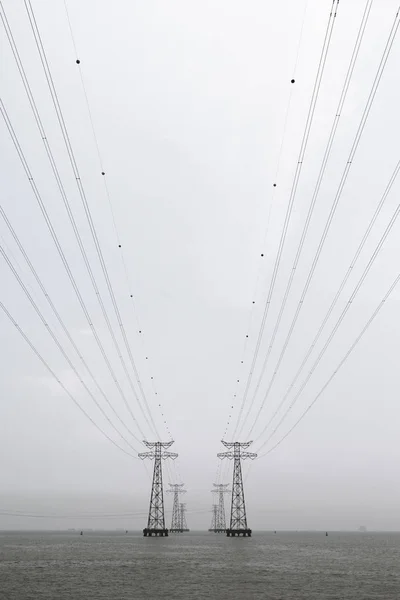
{"x": 189, "y": 102}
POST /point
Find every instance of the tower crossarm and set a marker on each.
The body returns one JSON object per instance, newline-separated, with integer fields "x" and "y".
{"x": 243, "y": 455}
{"x": 176, "y": 487}
{"x": 162, "y": 455}
{"x": 158, "y": 444}
{"x": 236, "y": 444}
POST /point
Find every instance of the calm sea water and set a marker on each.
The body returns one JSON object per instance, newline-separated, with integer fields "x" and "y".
{"x": 284, "y": 566}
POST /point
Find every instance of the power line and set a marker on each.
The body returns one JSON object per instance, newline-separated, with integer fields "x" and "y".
{"x": 16, "y": 513}
{"x": 304, "y": 143}
{"x": 112, "y": 212}
{"x": 265, "y": 237}
{"x": 73, "y": 516}
{"x": 222, "y": 476}
{"x": 328, "y": 148}
{"x": 346, "y": 356}
{"x": 61, "y": 253}
{"x": 59, "y": 345}
{"x": 49, "y": 153}
{"x": 332, "y": 212}
{"x": 349, "y": 302}
{"x": 337, "y": 295}
{"x": 92, "y": 227}
{"x": 52, "y": 373}
{"x": 59, "y": 318}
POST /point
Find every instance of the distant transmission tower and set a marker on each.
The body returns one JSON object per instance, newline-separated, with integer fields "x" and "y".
{"x": 156, "y": 521}
{"x": 219, "y": 524}
{"x": 238, "y": 524}
{"x": 182, "y": 511}
{"x": 177, "y": 488}
{"x": 214, "y": 520}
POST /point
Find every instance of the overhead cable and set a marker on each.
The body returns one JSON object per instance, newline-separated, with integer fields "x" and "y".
{"x": 303, "y": 148}
{"x": 267, "y": 227}
{"x": 60, "y": 383}
{"x": 60, "y": 185}
{"x": 334, "y": 206}
{"x": 338, "y": 293}
{"x": 103, "y": 172}
{"x": 60, "y": 319}
{"x": 54, "y": 236}
{"x": 341, "y": 363}
{"x": 92, "y": 227}
{"x": 350, "y": 301}
{"x": 59, "y": 345}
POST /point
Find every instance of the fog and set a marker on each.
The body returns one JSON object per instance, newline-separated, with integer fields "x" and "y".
{"x": 189, "y": 103}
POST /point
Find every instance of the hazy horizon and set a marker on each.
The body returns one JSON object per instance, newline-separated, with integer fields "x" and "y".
{"x": 189, "y": 103}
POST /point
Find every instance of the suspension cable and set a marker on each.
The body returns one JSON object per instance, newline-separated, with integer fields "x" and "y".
{"x": 341, "y": 363}
{"x": 53, "y": 374}
{"x": 64, "y": 131}
{"x": 303, "y": 148}
{"x": 334, "y": 206}
{"x": 267, "y": 227}
{"x": 58, "y": 316}
{"x": 71, "y": 155}
{"x": 54, "y": 236}
{"x": 356, "y": 289}
{"x": 120, "y": 246}
{"x": 337, "y": 295}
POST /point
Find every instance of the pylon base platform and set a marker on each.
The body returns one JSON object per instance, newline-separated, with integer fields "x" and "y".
{"x": 157, "y": 532}
{"x": 238, "y": 532}
{"x": 178, "y": 530}
{"x": 217, "y": 530}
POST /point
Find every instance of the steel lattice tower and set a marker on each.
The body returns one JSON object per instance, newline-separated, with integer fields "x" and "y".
{"x": 176, "y": 489}
{"x": 156, "y": 521}
{"x": 221, "y": 489}
{"x": 214, "y": 519}
{"x": 238, "y": 523}
{"x": 182, "y": 511}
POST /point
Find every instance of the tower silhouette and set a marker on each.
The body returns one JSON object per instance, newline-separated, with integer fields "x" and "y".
{"x": 176, "y": 489}
{"x": 218, "y": 524}
{"x": 156, "y": 520}
{"x": 182, "y": 514}
{"x": 214, "y": 519}
{"x": 238, "y": 522}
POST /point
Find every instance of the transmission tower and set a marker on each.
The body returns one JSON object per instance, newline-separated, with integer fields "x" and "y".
{"x": 238, "y": 524}
{"x": 176, "y": 489}
{"x": 156, "y": 521}
{"x": 219, "y": 524}
{"x": 214, "y": 520}
{"x": 182, "y": 511}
